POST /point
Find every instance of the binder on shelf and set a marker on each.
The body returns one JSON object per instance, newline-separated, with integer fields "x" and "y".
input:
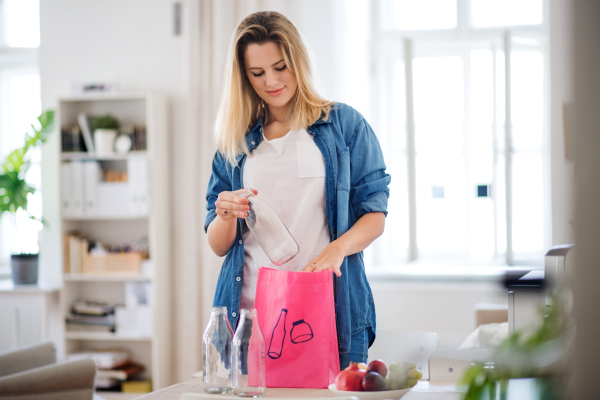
{"x": 92, "y": 175}
{"x": 65, "y": 189}
{"x": 86, "y": 132}
{"x": 142, "y": 185}
{"x": 76, "y": 188}
{"x": 137, "y": 170}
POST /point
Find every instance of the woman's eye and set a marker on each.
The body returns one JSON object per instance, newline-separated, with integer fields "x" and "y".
{"x": 257, "y": 75}
{"x": 282, "y": 68}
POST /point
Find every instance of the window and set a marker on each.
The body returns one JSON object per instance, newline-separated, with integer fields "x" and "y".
{"x": 20, "y": 104}
{"x": 455, "y": 81}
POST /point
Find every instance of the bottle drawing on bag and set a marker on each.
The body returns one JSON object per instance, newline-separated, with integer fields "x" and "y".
{"x": 271, "y": 233}
{"x": 278, "y": 336}
{"x": 301, "y": 332}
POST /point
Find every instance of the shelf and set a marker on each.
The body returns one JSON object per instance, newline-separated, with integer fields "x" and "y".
{"x": 105, "y": 336}
{"x": 105, "y": 278}
{"x": 77, "y": 156}
{"x": 107, "y": 218}
{"x": 121, "y": 226}
{"x": 107, "y": 97}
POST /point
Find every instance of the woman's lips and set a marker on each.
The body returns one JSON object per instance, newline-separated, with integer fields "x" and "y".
{"x": 276, "y": 93}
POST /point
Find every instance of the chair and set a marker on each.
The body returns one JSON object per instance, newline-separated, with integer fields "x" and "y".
{"x": 31, "y": 372}
{"x": 398, "y": 346}
{"x": 488, "y": 313}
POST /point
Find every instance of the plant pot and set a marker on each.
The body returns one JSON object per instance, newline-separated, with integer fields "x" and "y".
{"x": 24, "y": 269}
{"x": 104, "y": 140}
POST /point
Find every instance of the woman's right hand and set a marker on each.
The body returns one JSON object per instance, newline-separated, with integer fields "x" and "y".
{"x": 230, "y": 206}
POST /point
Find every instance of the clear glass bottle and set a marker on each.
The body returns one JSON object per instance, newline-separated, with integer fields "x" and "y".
{"x": 249, "y": 376}
{"x": 216, "y": 366}
{"x": 271, "y": 233}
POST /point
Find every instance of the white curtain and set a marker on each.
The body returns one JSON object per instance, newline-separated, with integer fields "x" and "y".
{"x": 336, "y": 31}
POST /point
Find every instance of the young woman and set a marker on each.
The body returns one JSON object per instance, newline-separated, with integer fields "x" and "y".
{"x": 318, "y": 164}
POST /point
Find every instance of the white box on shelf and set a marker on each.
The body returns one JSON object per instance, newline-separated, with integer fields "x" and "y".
{"x": 138, "y": 294}
{"x": 112, "y": 199}
{"x": 136, "y": 321}
{"x": 125, "y": 321}
{"x": 145, "y": 320}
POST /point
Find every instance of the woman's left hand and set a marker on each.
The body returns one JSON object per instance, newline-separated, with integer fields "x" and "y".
{"x": 330, "y": 258}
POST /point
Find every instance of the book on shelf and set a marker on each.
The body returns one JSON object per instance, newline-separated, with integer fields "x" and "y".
{"x": 138, "y": 138}
{"x": 103, "y": 382}
{"x": 72, "y": 253}
{"x": 121, "y": 373}
{"x": 91, "y": 317}
{"x": 88, "y": 323}
{"x": 92, "y": 308}
{"x": 105, "y": 359}
{"x": 72, "y": 140}
{"x": 135, "y": 386}
{"x": 71, "y": 327}
{"x": 87, "y": 133}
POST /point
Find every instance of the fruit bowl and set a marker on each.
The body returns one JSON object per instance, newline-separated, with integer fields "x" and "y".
{"x": 381, "y": 395}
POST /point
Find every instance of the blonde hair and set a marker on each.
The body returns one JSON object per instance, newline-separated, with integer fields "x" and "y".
{"x": 241, "y": 106}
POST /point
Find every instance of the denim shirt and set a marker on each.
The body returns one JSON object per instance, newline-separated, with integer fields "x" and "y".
{"x": 355, "y": 184}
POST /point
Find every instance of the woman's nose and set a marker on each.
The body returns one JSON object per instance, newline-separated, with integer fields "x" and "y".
{"x": 271, "y": 80}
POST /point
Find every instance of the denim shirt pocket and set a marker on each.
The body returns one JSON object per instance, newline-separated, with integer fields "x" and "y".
{"x": 343, "y": 189}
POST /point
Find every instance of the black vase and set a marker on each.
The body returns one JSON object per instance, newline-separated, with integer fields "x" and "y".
{"x": 24, "y": 269}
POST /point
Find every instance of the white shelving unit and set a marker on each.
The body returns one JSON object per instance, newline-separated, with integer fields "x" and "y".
{"x": 153, "y": 351}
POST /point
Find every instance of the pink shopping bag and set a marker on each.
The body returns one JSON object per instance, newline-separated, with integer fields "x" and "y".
{"x": 296, "y": 315}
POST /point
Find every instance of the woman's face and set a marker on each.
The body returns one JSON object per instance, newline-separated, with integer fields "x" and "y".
{"x": 269, "y": 75}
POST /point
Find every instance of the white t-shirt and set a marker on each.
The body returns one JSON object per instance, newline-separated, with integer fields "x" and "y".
{"x": 289, "y": 174}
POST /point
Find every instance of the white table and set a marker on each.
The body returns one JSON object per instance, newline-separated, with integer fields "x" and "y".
{"x": 422, "y": 391}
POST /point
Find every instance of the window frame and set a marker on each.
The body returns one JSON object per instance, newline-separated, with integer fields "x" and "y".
{"x": 448, "y": 41}
{"x": 18, "y": 59}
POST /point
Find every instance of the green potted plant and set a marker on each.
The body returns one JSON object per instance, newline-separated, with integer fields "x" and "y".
{"x": 15, "y": 192}
{"x": 105, "y": 130}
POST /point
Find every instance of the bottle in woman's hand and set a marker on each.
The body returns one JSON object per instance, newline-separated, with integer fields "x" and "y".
{"x": 270, "y": 231}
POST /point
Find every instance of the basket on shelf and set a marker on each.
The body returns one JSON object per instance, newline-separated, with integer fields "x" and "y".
{"x": 111, "y": 263}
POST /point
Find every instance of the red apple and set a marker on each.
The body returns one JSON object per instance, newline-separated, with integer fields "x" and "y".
{"x": 373, "y": 382}
{"x": 379, "y": 367}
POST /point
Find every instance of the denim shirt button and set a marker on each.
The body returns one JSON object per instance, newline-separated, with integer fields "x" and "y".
{"x": 252, "y": 143}
{"x": 238, "y": 279}
{"x": 233, "y": 314}
{"x": 240, "y": 241}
